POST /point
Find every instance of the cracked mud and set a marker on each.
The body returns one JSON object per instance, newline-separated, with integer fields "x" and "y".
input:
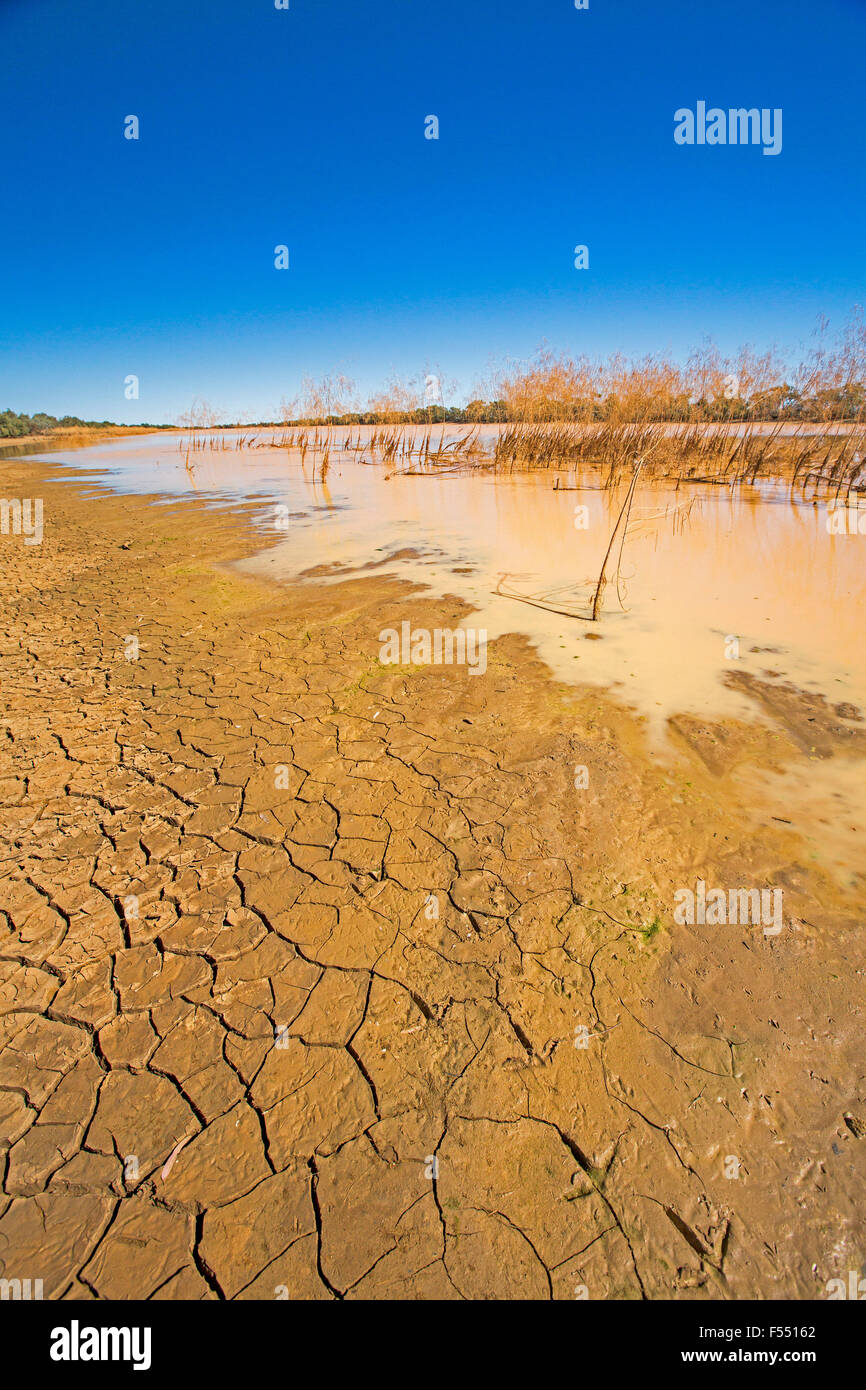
{"x": 320, "y": 979}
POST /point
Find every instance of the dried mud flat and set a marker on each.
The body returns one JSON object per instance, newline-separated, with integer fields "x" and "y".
{"x": 242, "y": 1055}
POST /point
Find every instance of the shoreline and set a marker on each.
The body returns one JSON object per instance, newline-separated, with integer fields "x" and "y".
{"x": 281, "y": 812}
{"x": 79, "y": 435}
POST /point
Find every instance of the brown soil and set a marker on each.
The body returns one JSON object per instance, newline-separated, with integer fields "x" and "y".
{"x": 242, "y": 1054}
{"x": 79, "y": 434}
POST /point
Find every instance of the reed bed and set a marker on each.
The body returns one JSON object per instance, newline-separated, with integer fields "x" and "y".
{"x": 741, "y": 419}
{"x": 745, "y": 419}
{"x": 723, "y": 454}
{"x": 810, "y": 459}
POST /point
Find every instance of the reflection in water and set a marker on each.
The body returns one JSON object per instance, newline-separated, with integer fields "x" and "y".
{"x": 698, "y": 569}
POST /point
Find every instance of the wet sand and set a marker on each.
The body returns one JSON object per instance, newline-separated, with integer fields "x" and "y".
{"x": 321, "y": 978}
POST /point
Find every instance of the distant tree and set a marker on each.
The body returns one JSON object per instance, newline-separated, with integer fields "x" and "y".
{"x": 12, "y": 426}
{"x": 42, "y": 424}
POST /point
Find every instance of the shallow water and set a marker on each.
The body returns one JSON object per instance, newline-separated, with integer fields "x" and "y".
{"x": 711, "y": 579}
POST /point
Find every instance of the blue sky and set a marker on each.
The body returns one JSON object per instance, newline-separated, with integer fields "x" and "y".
{"x": 306, "y": 127}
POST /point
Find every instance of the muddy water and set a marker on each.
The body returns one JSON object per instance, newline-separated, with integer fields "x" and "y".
{"x": 711, "y": 580}
{"x": 705, "y": 586}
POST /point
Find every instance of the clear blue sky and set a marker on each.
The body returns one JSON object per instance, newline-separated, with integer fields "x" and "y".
{"x": 306, "y": 127}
